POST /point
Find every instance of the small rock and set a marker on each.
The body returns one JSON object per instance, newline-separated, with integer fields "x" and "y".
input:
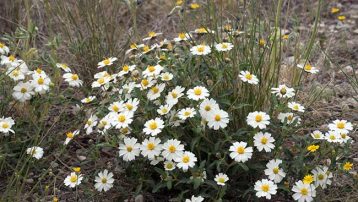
{"x": 81, "y": 158}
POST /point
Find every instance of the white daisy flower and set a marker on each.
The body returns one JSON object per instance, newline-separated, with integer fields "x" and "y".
{"x": 164, "y": 109}
{"x": 289, "y": 118}
{"x": 169, "y": 165}
{"x": 217, "y": 119}
{"x": 70, "y": 135}
{"x": 207, "y": 106}
{"x": 246, "y": 76}
{"x": 152, "y": 71}
{"x": 221, "y": 179}
{"x": 153, "y": 127}
{"x": 72, "y": 79}
{"x": 116, "y": 107}
{"x": 258, "y": 119}
{"x": 265, "y": 188}
{"x": 36, "y": 152}
{"x": 303, "y": 192}
{"x": 73, "y": 180}
{"x": 322, "y": 176}
{"x": 151, "y": 147}
{"x": 41, "y": 84}
{"x": 273, "y": 170}
{"x": 182, "y": 37}
{"x": 6, "y": 125}
{"x": 223, "y": 47}
{"x": 283, "y": 91}
{"x": 16, "y": 74}
{"x": 198, "y": 93}
{"x": 172, "y": 149}
{"x": 341, "y": 126}
{"x": 88, "y": 99}
{"x": 333, "y": 136}
{"x": 90, "y": 123}
{"x": 239, "y": 152}
{"x": 318, "y": 135}
{"x": 131, "y": 105}
{"x": 64, "y": 67}
{"x": 200, "y": 50}
{"x": 308, "y": 68}
{"x": 263, "y": 141}
{"x": 130, "y": 149}
{"x": 23, "y": 91}
{"x": 38, "y": 73}
{"x": 152, "y": 35}
{"x": 195, "y": 199}
{"x": 296, "y": 106}
{"x": 4, "y": 50}
{"x": 155, "y": 91}
{"x": 186, "y": 160}
{"x": 166, "y": 76}
{"x": 107, "y": 62}
{"x": 126, "y": 69}
{"x": 10, "y": 61}
{"x": 189, "y": 112}
{"x": 104, "y": 181}
{"x": 174, "y": 95}
{"x": 123, "y": 119}
{"x": 146, "y": 83}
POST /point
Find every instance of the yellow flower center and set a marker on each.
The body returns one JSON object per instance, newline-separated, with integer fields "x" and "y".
{"x": 16, "y": 73}
{"x": 197, "y": 91}
{"x": 224, "y": 46}
{"x": 74, "y": 77}
{"x": 332, "y": 137}
{"x": 122, "y": 118}
{"x": 258, "y": 118}
{"x": 115, "y": 108}
{"x": 340, "y": 125}
{"x": 155, "y": 89}
{"x": 152, "y": 34}
{"x": 201, "y": 49}
{"x": 221, "y": 180}
{"x": 194, "y": 6}
{"x": 133, "y": 46}
{"x": 129, "y": 148}
{"x": 275, "y": 170}
{"x": 240, "y": 150}
{"x": 187, "y": 113}
{"x": 341, "y": 17}
{"x": 264, "y": 140}
{"x": 2, "y": 45}
{"x": 283, "y": 91}
{"x": 100, "y": 80}
{"x": 207, "y": 108}
{"x": 304, "y": 191}
{"x": 145, "y": 82}
{"x": 265, "y": 187}
{"x": 217, "y": 117}
{"x": 308, "y": 67}
{"x": 5, "y": 125}
{"x": 201, "y": 30}
{"x": 106, "y": 61}
{"x": 172, "y": 148}
{"x": 129, "y": 106}
{"x": 69, "y": 135}
{"x": 181, "y": 36}
{"x": 164, "y": 110}
{"x": 343, "y": 136}
{"x": 89, "y": 122}
{"x": 146, "y": 49}
{"x": 248, "y": 76}
{"x": 104, "y": 180}
{"x": 186, "y": 159}
{"x": 125, "y": 68}
{"x": 12, "y": 58}
{"x": 169, "y": 166}
{"x": 73, "y": 178}
{"x": 23, "y": 90}
{"x": 151, "y": 68}
{"x": 174, "y": 95}
{"x": 308, "y": 179}
{"x": 334, "y": 10}
{"x": 40, "y": 81}
{"x": 320, "y": 176}
{"x": 295, "y": 107}
{"x": 153, "y": 125}
{"x": 150, "y": 146}
{"x": 38, "y": 70}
